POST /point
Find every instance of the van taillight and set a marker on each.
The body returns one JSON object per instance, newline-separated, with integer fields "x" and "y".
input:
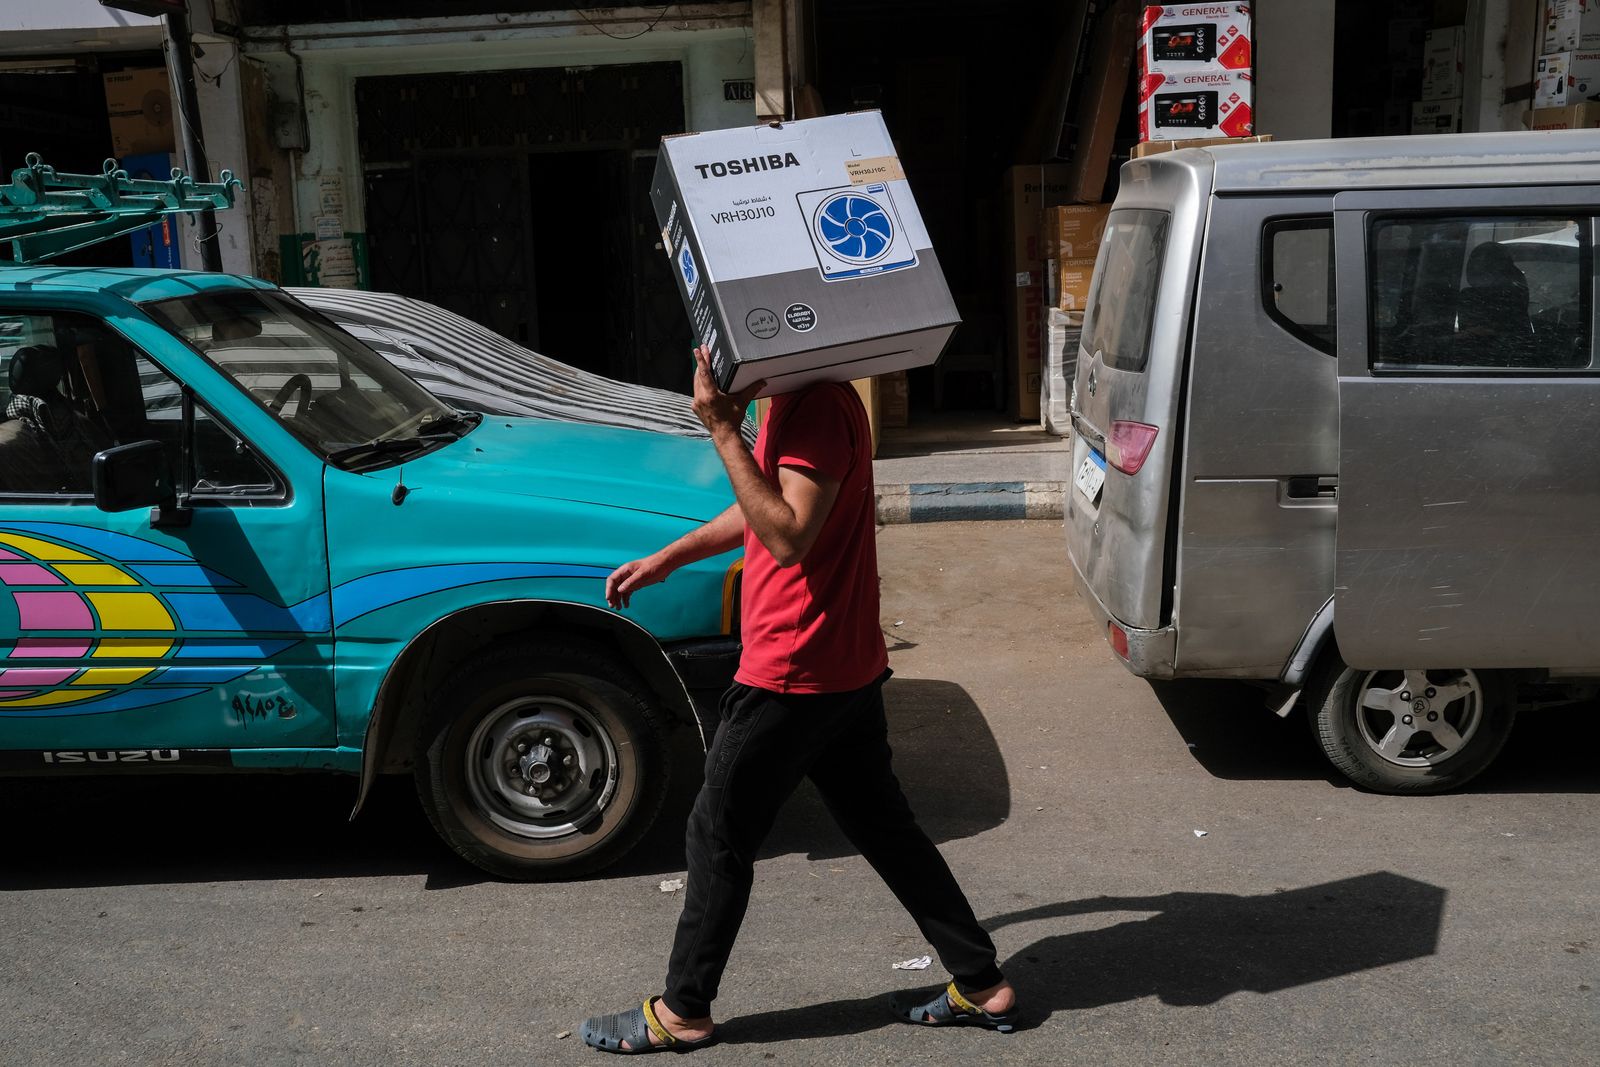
{"x": 1118, "y": 638}
{"x": 1129, "y": 445}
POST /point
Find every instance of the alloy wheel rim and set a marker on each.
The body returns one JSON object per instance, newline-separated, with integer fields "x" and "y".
{"x": 1419, "y": 719}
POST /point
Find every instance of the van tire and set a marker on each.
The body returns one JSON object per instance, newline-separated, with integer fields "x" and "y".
{"x": 1334, "y": 702}
{"x": 600, "y": 785}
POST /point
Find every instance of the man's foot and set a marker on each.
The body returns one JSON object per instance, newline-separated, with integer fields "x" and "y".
{"x": 651, "y": 1027}
{"x": 686, "y": 1030}
{"x": 993, "y": 1008}
{"x": 997, "y": 999}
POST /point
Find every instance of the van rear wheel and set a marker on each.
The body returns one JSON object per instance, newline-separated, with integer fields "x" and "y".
{"x": 1409, "y": 731}
{"x": 542, "y": 760}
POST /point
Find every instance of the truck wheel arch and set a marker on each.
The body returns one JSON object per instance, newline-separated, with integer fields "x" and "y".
{"x": 430, "y": 656}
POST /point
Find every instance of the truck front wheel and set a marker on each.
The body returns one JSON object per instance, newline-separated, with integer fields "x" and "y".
{"x": 542, "y": 760}
{"x": 1409, "y": 731}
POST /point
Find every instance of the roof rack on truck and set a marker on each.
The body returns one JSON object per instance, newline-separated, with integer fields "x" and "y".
{"x": 45, "y": 213}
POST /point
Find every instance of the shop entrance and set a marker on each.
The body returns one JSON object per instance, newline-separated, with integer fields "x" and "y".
{"x": 520, "y": 199}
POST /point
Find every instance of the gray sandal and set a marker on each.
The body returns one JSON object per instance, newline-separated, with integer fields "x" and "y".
{"x": 608, "y": 1032}
{"x": 949, "y": 1008}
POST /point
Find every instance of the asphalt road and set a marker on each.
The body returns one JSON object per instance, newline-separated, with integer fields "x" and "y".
{"x": 242, "y": 921}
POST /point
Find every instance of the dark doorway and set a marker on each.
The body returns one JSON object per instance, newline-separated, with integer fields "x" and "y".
{"x": 581, "y": 256}
{"x": 519, "y": 199}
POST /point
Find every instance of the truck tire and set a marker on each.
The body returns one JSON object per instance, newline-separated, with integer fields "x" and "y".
{"x": 542, "y": 760}
{"x": 1409, "y": 731}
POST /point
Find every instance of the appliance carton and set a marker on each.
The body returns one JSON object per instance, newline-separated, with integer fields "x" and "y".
{"x": 799, "y": 252}
{"x": 139, "y": 107}
{"x": 1572, "y": 117}
{"x": 1442, "y": 63}
{"x": 1436, "y": 116}
{"x": 1030, "y": 190}
{"x": 1177, "y": 37}
{"x": 1550, "y": 80}
{"x": 1200, "y": 104}
{"x": 1571, "y": 26}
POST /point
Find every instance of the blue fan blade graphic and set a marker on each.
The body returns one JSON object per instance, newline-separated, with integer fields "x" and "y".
{"x": 832, "y": 229}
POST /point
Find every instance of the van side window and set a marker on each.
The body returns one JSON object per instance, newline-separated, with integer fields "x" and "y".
{"x": 1486, "y": 292}
{"x": 1297, "y": 278}
{"x": 77, "y": 387}
{"x": 1127, "y": 277}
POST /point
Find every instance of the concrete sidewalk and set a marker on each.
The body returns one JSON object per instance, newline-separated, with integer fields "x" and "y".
{"x": 970, "y": 466}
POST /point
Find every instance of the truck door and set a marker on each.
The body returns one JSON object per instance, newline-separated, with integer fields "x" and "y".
{"x": 118, "y": 631}
{"x": 1469, "y": 408}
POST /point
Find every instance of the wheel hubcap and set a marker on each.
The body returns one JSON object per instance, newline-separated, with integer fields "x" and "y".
{"x": 540, "y": 767}
{"x": 1419, "y": 718}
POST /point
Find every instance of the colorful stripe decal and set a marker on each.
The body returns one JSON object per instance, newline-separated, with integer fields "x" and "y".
{"x": 170, "y": 574}
{"x": 202, "y": 648}
{"x": 49, "y": 648}
{"x": 26, "y": 574}
{"x": 248, "y": 612}
{"x": 364, "y": 595}
{"x": 52, "y": 611}
{"x": 202, "y": 675}
{"x": 119, "y": 547}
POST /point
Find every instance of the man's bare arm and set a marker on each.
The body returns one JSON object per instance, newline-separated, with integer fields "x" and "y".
{"x": 721, "y": 534}
{"x": 786, "y": 518}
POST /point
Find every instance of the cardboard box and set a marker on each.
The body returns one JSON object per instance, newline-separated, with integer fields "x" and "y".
{"x": 1073, "y": 231}
{"x": 1442, "y": 69}
{"x": 1190, "y": 37}
{"x": 139, "y": 106}
{"x": 1583, "y": 77}
{"x": 1072, "y": 280}
{"x": 1182, "y": 107}
{"x": 1436, "y": 116}
{"x": 1550, "y": 80}
{"x": 1572, "y": 117}
{"x": 1153, "y": 148}
{"x": 800, "y": 253}
{"x": 1063, "y": 335}
{"x": 894, "y": 399}
{"x": 1575, "y": 27}
{"x": 1029, "y": 191}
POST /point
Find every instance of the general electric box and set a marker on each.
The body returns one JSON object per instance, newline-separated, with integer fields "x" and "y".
{"x": 799, "y": 252}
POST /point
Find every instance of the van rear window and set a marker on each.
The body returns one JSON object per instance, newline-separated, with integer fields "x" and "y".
{"x": 1127, "y": 277}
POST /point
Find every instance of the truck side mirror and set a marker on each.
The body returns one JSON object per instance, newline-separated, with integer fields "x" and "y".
{"x": 136, "y": 475}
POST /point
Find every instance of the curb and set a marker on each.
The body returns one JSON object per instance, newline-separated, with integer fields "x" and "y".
{"x": 968, "y": 501}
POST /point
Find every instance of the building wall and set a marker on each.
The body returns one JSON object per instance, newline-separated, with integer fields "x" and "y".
{"x": 331, "y": 63}
{"x": 1294, "y": 68}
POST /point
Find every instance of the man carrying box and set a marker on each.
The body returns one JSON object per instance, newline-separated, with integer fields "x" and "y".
{"x": 807, "y": 701}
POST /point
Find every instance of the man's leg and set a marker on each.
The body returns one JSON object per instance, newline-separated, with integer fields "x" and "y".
{"x": 858, "y": 784}
{"x": 759, "y": 755}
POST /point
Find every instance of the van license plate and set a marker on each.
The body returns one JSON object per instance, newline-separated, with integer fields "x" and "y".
{"x": 1091, "y": 476}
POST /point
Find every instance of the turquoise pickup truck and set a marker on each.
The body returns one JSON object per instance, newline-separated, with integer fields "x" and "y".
{"x": 234, "y": 537}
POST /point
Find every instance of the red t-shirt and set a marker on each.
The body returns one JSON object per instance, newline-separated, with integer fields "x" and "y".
{"x": 813, "y": 627}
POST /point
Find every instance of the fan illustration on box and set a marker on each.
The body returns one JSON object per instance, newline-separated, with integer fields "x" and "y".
{"x": 856, "y": 232}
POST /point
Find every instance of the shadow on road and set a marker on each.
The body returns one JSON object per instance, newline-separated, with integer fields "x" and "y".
{"x": 1197, "y": 948}
{"x": 931, "y": 724}
{"x": 83, "y": 831}
{"x": 1234, "y": 736}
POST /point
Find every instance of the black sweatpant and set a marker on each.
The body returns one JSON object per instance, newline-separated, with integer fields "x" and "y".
{"x": 765, "y": 743}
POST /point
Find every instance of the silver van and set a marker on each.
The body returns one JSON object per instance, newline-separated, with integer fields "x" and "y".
{"x": 1336, "y": 429}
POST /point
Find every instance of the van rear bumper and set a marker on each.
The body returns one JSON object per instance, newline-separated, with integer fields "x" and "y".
{"x": 1151, "y": 653}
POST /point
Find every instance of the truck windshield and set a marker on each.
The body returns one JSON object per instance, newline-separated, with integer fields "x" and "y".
{"x": 341, "y": 398}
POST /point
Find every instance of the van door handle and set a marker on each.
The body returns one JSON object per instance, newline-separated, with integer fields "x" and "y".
{"x": 1311, "y": 487}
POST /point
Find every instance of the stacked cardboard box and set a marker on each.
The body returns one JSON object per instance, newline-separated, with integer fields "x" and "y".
{"x": 139, "y": 107}
{"x": 1063, "y": 332}
{"x": 1195, "y": 72}
{"x": 1567, "y": 71}
{"x": 1155, "y": 148}
{"x": 1073, "y": 233}
{"x": 1030, "y": 190}
{"x": 1443, "y": 56}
